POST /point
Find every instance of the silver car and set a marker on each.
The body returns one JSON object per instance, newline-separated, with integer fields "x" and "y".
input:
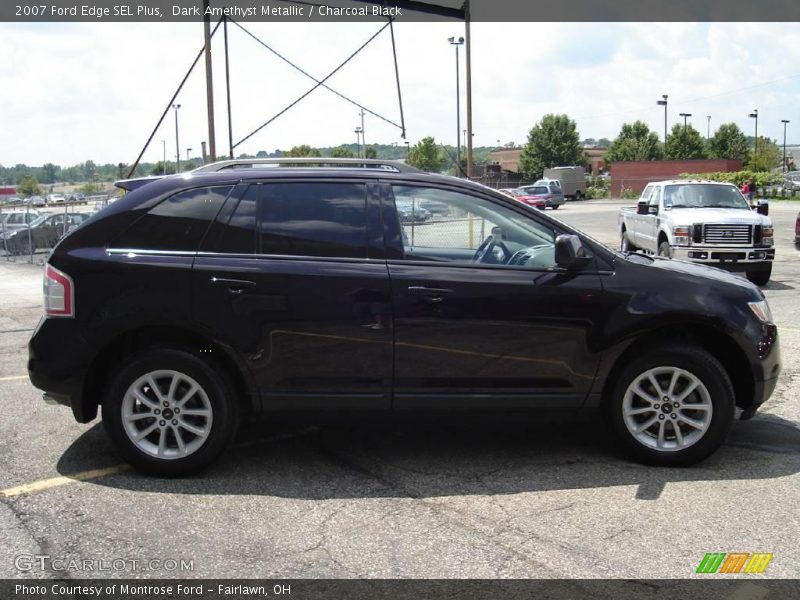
{"x": 555, "y": 195}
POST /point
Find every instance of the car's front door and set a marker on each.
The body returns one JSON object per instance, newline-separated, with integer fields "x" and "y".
{"x": 290, "y": 278}
{"x": 483, "y": 318}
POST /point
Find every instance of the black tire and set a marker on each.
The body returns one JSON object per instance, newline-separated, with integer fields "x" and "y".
{"x": 664, "y": 250}
{"x": 578, "y": 196}
{"x": 625, "y": 244}
{"x": 555, "y": 206}
{"x": 720, "y": 394}
{"x": 213, "y": 383}
{"x": 760, "y": 277}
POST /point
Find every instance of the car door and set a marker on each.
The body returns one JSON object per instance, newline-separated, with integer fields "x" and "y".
{"x": 482, "y": 318}
{"x": 293, "y": 279}
{"x": 650, "y": 223}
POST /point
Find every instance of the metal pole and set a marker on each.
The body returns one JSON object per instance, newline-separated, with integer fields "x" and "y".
{"x": 3, "y": 229}
{"x": 458, "y": 116}
{"x": 164, "y": 162}
{"x": 30, "y": 233}
{"x": 177, "y": 145}
{"x": 469, "y": 87}
{"x": 212, "y": 144}
{"x": 708, "y": 132}
{"x": 228, "y": 87}
{"x": 363, "y": 134}
{"x": 785, "y": 122}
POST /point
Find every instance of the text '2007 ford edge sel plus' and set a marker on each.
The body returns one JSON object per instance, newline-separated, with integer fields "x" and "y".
{"x": 247, "y": 287}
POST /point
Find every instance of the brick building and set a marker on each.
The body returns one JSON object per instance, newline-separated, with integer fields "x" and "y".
{"x": 636, "y": 174}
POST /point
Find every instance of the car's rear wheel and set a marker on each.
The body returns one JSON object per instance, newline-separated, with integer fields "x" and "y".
{"x": 625, "y": 243}
{"x": 760, "y": 277}
{"x": 672, "y": 406}
{"x": 170, "y": 413}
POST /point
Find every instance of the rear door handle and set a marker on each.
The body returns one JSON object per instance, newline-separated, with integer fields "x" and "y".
{"x": 235, "y": 286}
{"x": 430, "y": 294}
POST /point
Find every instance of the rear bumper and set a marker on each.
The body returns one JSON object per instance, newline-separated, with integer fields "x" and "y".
{"x": 731, "y": 259}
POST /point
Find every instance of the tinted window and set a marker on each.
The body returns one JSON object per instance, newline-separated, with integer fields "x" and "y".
{"x": 313, "y": 219}
{"x": 239, "y": 236}
{"x": 177, "y": 223}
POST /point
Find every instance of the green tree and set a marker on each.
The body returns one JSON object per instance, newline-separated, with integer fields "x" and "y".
{"x": 303, "y": 150}
{"x": 89, "y": 170}
{"x": 90, "y": 188}
{"x": 427, "y": 156}
{"x": 552, "y": 142}
{"x": 342, "y": 152}
{"x": 49, "y": 173}
{"x": 29, "y": 186}
{"x": 158, "y": 168}
{"x": 685, "y": 143}
{"x": 729, "y": 142}
{"x": 635, "y": 142}
{"x": 370, "y": 152}
{"x": 769, "y": 156}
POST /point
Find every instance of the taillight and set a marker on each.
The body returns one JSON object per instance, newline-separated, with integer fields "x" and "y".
{"x": 59, "y": 293}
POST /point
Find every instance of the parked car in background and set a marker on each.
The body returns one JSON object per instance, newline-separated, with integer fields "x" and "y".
{"x": 14, "y": 200}
{"x": 791, "y": 181}
{"x": 45, "y": 231}
{"x": 16, "y": 219}
{"x": 202, "y": 298}
{"x": 56, "y": 198}
{"x": 536, "y": 196}
{"x": 555, "y": 195}
{"x": 573, "y": 180}
{"x": 707, "y": 222}
{"x": 35, "y": 201}
{"x": 410, "y": 211}
{"x": 435, "y": 207}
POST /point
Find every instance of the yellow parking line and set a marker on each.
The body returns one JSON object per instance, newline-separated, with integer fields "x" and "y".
{"x": 46, "y": 484}
{"x": 13, "y": 377}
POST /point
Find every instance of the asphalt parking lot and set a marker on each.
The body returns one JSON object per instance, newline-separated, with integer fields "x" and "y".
{"x": 464, "y": 497}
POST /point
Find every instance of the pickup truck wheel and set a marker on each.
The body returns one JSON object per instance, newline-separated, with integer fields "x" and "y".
{"x": 760, "y": 277}
{"x": 664, "y": 250}
{"x": 169, "y": 413}
{"x": 672, "y": 406}
{"x": 625, "y": 244}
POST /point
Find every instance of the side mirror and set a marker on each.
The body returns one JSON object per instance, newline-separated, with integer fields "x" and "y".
{"x": 571, "y": 253}
{"x": 762, "y": 207}
{"x": 642, "y": 207}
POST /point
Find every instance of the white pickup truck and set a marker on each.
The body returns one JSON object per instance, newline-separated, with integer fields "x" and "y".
{"x": 706, "y": 222}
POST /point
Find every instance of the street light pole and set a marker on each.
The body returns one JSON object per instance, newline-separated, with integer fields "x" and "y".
{"x": 708, "y": 133}
{"x": 754, "y": 115}
{"x": 685, "y": 116}
{"x": 164, "y": 162}
{"x": 188, "y": 151}
{"x": 358, "y": 140}
{"x": 785, "y": 122}
{"x": 363, "y": 137}
{"x": 457, "y": 42}
{"x": 177, "y": 145}
{"x": 663, "y": 102}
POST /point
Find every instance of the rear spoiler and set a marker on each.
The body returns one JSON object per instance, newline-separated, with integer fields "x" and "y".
{"x": 131, "y": 184}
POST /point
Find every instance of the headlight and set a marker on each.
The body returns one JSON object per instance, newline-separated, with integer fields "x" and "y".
{"x": 767, "y": 234}
{"x": 682, "y": 235}
{"x": 761, "y": 310}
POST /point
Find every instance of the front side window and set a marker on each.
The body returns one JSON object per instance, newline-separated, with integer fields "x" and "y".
{"x": 313, "y": 219}
{"x": 177, "y": 223}
{"x": 471, "y": 231}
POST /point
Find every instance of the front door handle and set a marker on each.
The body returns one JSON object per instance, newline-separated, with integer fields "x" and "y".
{"x": 430, "y": 294}
{"x": 235, "y": 286}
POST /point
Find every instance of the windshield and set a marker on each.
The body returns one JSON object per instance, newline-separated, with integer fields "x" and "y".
{"x": 703, "y": 195}
{"x": 535, "y": 190}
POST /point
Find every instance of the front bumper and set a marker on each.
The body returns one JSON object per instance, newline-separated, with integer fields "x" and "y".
{"x": 731, "y": 258}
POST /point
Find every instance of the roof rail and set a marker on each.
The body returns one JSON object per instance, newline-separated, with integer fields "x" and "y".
{"x": 310, "y": 161}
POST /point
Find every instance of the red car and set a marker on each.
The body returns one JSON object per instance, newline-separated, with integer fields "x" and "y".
{"x": 536, "y": 199}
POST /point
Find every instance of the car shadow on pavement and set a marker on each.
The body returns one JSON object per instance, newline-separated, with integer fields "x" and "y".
{"x": 432, "y": 456}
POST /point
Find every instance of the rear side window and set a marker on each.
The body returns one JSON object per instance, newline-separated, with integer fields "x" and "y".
{"x": 239, "y": 236}
{"x": 177, "y": 223}
{"x": 313, "y": 219}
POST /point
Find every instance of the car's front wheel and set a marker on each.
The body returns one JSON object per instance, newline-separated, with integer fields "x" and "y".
{"x": 672, "y": 406}
{"x": 169, "y": 413}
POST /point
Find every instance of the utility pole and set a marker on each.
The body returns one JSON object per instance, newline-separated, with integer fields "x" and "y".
{"x": 209, "y": 82}
{"x": 164, "y": 162}
{"x": 754, "y": 115}
{"x": 177, "y": 143}
{"x": 785, "y": 122}
{"x": 363, "y": 137}
{"x": 708, "y": 132}
{"x": 663, "y": 102}
{"x": 468, "y": 50}
{"x": 457, "y": 42}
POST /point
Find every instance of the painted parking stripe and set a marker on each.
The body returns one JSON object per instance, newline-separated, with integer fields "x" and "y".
{"x": 46, "y": 484}
{"x": 13, "y": 377}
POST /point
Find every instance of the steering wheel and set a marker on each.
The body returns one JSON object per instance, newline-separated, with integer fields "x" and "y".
{"x": 485, "y": 252}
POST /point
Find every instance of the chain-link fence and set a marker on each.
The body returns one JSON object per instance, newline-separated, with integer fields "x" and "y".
{"x": 29, "y": 232}
{"x": 446, "y": 231}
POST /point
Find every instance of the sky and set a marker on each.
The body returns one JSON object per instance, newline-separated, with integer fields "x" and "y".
{"x": 76, "y": 91}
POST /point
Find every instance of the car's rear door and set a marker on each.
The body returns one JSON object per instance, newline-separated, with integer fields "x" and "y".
{"x": 476, "y": 329}
{"x": 292, "y": 277}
